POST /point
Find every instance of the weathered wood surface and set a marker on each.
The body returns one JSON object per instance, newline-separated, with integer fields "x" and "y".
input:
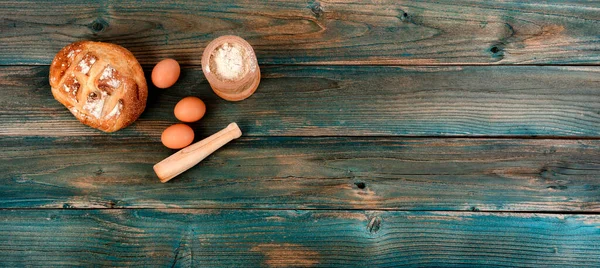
{"x": 315, "y": 32}
{"x": 340, "y": 164}
{"x": 301, "y": 173}
{"x": 233, "y": 238}
{"x": 356, "y": 101}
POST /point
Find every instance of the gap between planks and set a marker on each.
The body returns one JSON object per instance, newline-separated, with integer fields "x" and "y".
{"x": 482, "y": 137}
{"x": 477, "y": 211}
{"x": 358, "y": 64}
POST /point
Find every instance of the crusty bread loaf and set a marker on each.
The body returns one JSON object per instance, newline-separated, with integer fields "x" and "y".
{"x": 102, "y": 84}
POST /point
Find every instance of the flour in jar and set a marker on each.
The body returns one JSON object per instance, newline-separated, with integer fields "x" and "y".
{"x": 230, "y": 62}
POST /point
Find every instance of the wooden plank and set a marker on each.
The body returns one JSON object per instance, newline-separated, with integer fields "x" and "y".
{"x": 233, "y": 238}
{"x": 307, "y": 173}
{"x": 315, "y": 32}
{"x": 356, "y": 101}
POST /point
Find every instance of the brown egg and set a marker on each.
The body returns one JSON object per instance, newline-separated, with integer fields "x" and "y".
{"x": 165, "y": 73}
{"x": 190, "y": 109}
{"x": 177, "y": 136}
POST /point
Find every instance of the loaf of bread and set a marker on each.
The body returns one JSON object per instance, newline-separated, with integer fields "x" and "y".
{"x": 102, "y": 84}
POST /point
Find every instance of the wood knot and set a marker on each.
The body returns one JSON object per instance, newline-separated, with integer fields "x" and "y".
{"x": 547, "y": 173}
{"x": 552, "y": 150}
{"x": 316, "y": 9}
{"x": 20, "y": 179}
{"x": 111, "y": 204}
{"x": 360, "y": 185}
{"x": 99, "y": 171}
{"x": 374, "y": 224}
{"x": 558, "y": 187}
{"x": 98, "y": 25}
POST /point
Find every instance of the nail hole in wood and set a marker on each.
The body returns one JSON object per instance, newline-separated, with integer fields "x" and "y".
{"x": 360, "y": 185}
{"x": 404, "y": 16}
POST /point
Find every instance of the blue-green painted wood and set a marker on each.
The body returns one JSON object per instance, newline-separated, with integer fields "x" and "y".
{"x": 344, "y": 101}
{"x": 49, "y": 160}
{"x": 314, "y": 32}
{"x": 236, "y": 238}
{"x": 299, "y": 173}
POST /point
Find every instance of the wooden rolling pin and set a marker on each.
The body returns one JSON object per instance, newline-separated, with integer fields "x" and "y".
{"x": 193, "y": 154}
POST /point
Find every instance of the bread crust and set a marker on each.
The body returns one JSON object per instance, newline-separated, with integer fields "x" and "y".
{"x": 102, "y": 84}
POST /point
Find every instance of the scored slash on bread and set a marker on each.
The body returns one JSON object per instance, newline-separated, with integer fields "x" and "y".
{"x": 102, "y": 84}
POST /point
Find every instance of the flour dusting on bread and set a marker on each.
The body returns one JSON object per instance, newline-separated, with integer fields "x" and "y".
{"x": 86, "y": 63}
{"x": 72, "y": 53}
{"x": 109, "y": 77}
{"x": 95, "y": 104}
{"x": 71, "y": 87}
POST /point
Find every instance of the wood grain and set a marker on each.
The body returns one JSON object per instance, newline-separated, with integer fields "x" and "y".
{"x": 473, "y": 152}
{"x": 314, "y": 32}
{"x": 306, "y": 173}
{"x": 233, "y": 238}
{"x": 344, "y": 101}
